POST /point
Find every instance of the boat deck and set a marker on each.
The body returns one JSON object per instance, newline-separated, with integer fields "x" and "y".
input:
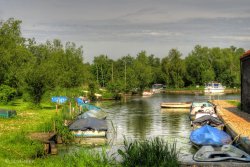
{"x": 237, "y": 122}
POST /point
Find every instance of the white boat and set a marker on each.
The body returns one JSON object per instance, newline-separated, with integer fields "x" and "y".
{"x": 147, "y": 93}
{"x": 214, "y": 87}
{"x": 89, "y": 133}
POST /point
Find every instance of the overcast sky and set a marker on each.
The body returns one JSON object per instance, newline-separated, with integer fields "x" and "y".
{"x": 120, "y": 27}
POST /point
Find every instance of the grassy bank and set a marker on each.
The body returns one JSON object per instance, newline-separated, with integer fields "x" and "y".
{"x": 17, "y": 149}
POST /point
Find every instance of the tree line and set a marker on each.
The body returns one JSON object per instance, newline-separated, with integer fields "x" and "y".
{"x": 30, "y": 69}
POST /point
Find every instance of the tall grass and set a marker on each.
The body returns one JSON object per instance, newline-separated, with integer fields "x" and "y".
{"x": 151, "y": 153}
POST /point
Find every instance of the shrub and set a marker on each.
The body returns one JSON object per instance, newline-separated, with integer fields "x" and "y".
{"x": 7, "y": 93}
{"x": 153, "y": 152}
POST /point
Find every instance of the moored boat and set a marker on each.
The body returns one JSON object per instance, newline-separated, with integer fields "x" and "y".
{"x": 208, "y": 135}
{"x": 175, "y": 105}
{"x": 223, "y": 153}
{"x": 207, "y": 120}
{"x": 201, "y": 107}
{"x": 214, "y": 87}
{"x": 89, "y": 127}
{"x": 147, "y": 93}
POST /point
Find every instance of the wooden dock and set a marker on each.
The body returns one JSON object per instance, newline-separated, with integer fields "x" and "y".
{"x": 237, "y": 122}
{"x": 48, "y": 139}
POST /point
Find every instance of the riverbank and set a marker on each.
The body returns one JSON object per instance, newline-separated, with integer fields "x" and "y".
{"x": 198, "y": 91}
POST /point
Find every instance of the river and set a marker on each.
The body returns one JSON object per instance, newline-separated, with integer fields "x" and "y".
{"x": 143, "y": 118}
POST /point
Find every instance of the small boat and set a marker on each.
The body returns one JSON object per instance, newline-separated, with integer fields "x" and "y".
{"x": 147, "y": 93}
{"x": 207, "y": 120}
{"x": 201, "y": 107}
{"x": 89, "y": 127}
{"x": 214, "y": 87}
{"x": 99, "y": 114}
{"x": 175, "y": 105}
{"x": 202, "y": 114}
{"x": 223, "y": 153}
{"x": 208, "y": 135}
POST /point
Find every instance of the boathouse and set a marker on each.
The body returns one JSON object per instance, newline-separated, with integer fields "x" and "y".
{"x": 245, "y": 81}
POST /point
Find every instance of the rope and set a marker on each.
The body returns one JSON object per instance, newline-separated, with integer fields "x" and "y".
{"x": 236, "y": 138}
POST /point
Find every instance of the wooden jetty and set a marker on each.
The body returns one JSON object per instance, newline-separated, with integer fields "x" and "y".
{"x": 237, "y": 123}
{"x": 176, "y": 105}
{"x": 48, "y": 139}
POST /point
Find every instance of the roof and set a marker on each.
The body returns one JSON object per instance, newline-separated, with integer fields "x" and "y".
{"x": 246, "y": 54}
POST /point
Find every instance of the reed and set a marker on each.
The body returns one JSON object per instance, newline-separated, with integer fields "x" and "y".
{"x": 154, "y": 152}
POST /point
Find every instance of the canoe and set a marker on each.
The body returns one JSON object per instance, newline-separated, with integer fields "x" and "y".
{"x": 208, "y": 135}
{"x": 207, "y": 120}
{"x": 175, "y": 105}
{"x": 223, "y": 153}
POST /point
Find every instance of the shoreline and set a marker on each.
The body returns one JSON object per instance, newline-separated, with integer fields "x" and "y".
{"x": 195, "y": 91}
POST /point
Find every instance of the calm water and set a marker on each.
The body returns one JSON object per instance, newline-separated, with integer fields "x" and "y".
{"x": 142, "y": 118}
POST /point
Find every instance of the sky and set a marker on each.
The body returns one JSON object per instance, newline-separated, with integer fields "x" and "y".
{"x": 120, "y": 27}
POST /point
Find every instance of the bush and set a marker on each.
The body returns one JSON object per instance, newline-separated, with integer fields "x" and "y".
{"x": 7, "y": 93}
{"x": 153, "y": 152}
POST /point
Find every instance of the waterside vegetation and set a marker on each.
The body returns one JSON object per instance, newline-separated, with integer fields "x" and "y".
{"x": 32, "y": 71}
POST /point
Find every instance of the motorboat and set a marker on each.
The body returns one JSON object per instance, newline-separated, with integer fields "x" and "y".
{"x": 201, "y": 107}
{"x": 208, "y": 135}
{"x": 214, "y": 87}
{"x": 222, "y": 153}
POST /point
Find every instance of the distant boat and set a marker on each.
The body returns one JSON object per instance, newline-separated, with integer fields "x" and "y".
{"x": 214, "y": 87}
{"x": 158, "y": 88}
{"x": 224, "y": 153}
{"x": 208, "y": 135}
{"x": 175, "y": 105}
{"x": 147, "y": 93}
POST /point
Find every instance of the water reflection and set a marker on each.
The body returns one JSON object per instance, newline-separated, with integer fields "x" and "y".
{"x": 142, "y": 118}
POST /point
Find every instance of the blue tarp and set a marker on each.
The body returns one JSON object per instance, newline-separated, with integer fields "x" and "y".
{"x": 207, "y": 135}
{"x": 59, "y": 99}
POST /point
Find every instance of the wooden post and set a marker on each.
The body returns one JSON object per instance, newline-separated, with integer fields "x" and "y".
{"x": 57, "y": 108}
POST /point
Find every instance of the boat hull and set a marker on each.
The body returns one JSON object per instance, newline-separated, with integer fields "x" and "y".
{"x": 89, "y": 133}
{"x": 224, "y": 153}
{"x": 175, "y": 105}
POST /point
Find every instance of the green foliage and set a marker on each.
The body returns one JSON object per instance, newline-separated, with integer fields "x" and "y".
{"x": 7, "y": 93}
{"x": 19, "y": 146}
{"x": 153, "y": 152}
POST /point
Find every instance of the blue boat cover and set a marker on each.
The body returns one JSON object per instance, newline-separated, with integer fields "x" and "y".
{"x": 59, "y": 99}
{"x": 207, "y": 135}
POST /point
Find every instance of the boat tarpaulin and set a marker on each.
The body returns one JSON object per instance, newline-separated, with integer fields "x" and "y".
{"x": 208, "y": 135}
{"x": 89, "y": 123}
